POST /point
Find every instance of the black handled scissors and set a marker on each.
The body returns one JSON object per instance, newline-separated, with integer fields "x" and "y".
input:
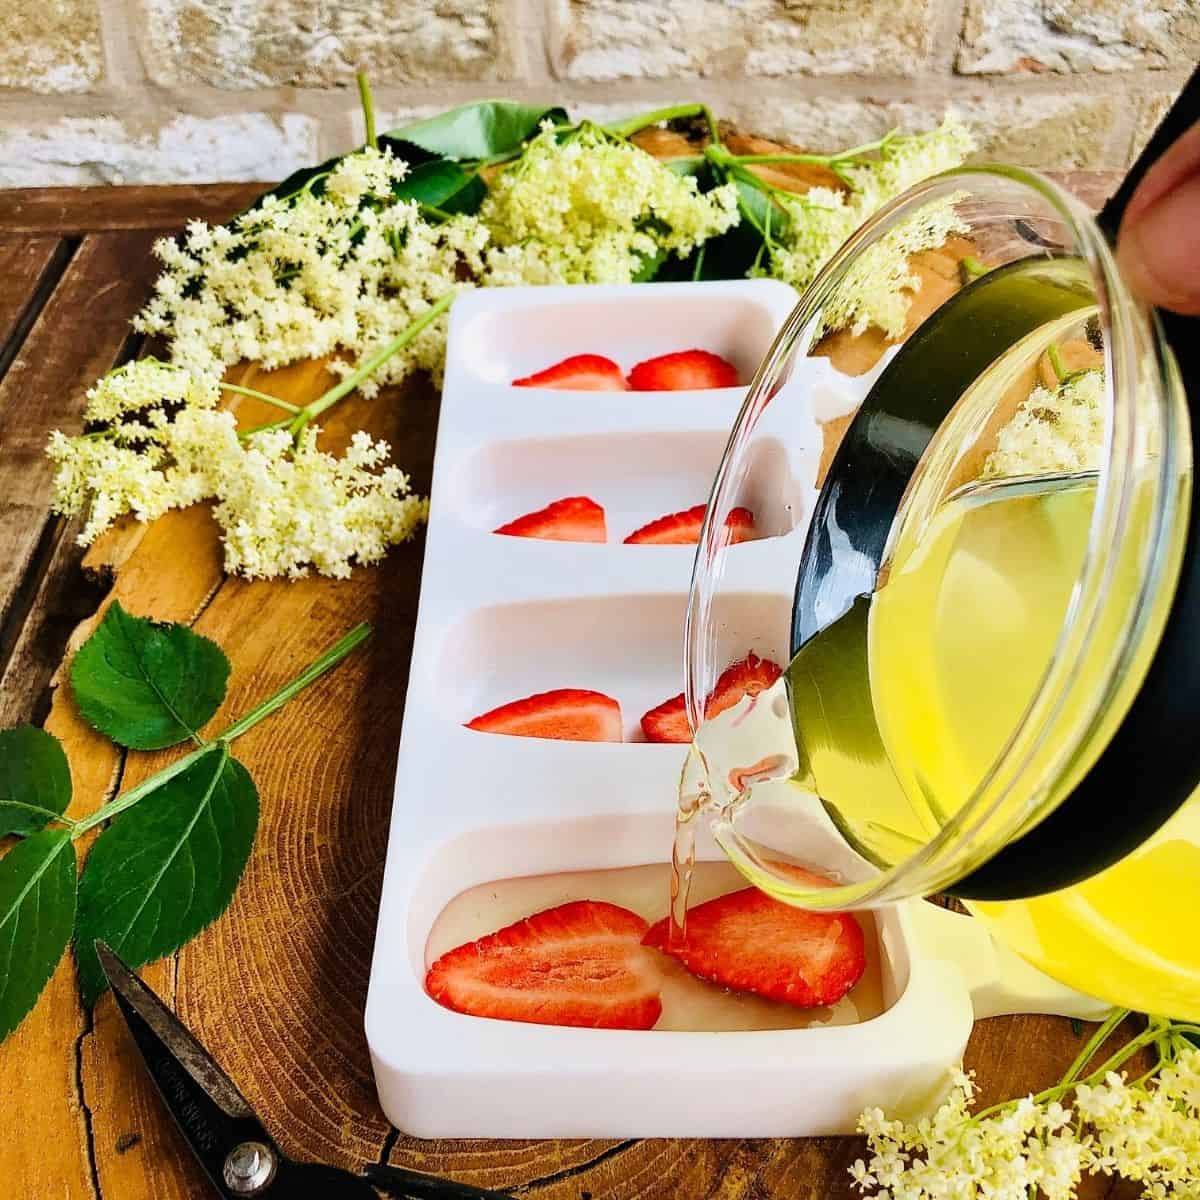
{"x": 228, "y": 1140}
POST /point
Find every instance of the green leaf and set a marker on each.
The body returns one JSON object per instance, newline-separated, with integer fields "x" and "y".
{"x": 295, "y": 182}
{"x": 37, "y": 910}
{"x": 35, "y": 780}
{"x": 479, "y": 130}
{"x": 147, "y": 685}
{"x": 167, "y": 867}
{"x": 651, "y": 265}
{"x": 443, "y": 184}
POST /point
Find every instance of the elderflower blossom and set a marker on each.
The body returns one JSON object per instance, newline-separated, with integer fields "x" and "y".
{"x": 875, "y": 291}
{"x": 593, "y": 209}
{"x": 283, "y": 505}
{"x": 338, "y": 271}
{"x": 1060, "y": 430}
{"x": 1032, "y": 1148}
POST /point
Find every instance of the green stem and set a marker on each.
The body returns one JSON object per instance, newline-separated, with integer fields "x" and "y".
{"x": 631, "y": 125}
{"x": 128, "y": 799}
{"x": 372, "y": 364}
{"x": 313, "y": 672}
{"x": 263, "y": 396}
{"x": 1102, "y": 1034}
{"x": 368, "y": 108}
{"x": 971, "y": 267}
{"x": 310, "y": 674}
{"x": 699, "y": 262}
{"x": 1056, "y": 362}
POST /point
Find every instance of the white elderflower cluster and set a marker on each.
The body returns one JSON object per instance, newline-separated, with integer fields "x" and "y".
{"x": 1060, "y": 430}
{"x": 1037, "y": 1147}
{"x": 337, "y": 271}
{"x": 876, "y": 291}
{"x": 284, "y": 506}
{"x": 593, "y": 208}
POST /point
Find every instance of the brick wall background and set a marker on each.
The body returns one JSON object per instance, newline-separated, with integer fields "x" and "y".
{"x": 105, "y": 91}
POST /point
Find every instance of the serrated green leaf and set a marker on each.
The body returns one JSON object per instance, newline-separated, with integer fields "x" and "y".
{"x": 35, "y": 780}
{"x": 443, "y": 184}
{"x": 477, "y": 130}
{"x": 167, "y": 867}
{"x": 37, "y": 911}
{"x": 147, "y": 685}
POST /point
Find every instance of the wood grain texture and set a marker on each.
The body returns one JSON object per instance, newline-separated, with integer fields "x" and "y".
{"x": 78, "y": 335}
{"x": 77, "y": 211}
{"x": 29, "y": 267}
{"x": 276, "y": 987}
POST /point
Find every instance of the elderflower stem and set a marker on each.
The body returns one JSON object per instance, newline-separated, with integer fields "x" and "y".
{"x": 368, "y": 107}
{"x": 631, "y": 125}
{"x": 310, "y": 674}
{"x": 369, "y": 367}
{"x": 128, "y": 799}
{"x": 1102, "y": 1034}
{"x": 313, "y": 672}
{"x": 263, "y": 396}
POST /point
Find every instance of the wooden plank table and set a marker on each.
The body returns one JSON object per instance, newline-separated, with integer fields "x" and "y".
{"x": 276, "y": 987}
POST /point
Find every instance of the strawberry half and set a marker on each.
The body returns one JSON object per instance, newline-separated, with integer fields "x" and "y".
{"x": 579, "y": 373}
{"x": 578, "y": 964}
{"x": 683, "y": 371}
{"x": 683, "y": 528}
{"x": 749, "y": 942}
{"x": 568, "y": 715}
{"x": 747, "y": 677}
{"x": 573, "y": 519}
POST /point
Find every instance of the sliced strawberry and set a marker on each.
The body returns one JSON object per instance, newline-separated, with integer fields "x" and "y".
{"x": 683, "y": 528}
{"x": 684, "y": 371}
{"x": 568, "y": 714}
{"x": 747, "y": 677}
{"x": 579, "y": 373}
{"x": 668, "y": 722}
{"x": 573, "y": 519}
{"x": 578, "y": 964}
{"x": 749, "y": 942}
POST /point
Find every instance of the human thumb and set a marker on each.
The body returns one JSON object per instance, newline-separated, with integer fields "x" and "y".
{"x": 1158, "y": 246}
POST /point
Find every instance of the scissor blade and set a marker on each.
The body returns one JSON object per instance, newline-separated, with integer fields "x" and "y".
{"x": 171, "y": 1035}
{"x": 207, "y": 1107}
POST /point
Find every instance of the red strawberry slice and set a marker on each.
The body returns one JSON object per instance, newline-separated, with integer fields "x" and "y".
{"x": 749, "y": 942}
{"x": 683, "y": 528}
{"x": 579, "y": 373}
{"x": 572, "y": 519}
{"x": 568, "y": 714}
{"x": 683, "y": 371}
{"x": 668, "y": 722}
{"x": 747, "y": 677}
{"x": 578, "y": 964}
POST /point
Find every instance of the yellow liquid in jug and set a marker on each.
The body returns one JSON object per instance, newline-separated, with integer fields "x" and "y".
{"x": 958, "y": 639}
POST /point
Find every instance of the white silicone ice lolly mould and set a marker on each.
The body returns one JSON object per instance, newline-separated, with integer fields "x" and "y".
{"x": 504, "y": 617}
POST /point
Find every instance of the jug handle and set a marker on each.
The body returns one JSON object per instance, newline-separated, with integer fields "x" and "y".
{"x": 998, "y": 980}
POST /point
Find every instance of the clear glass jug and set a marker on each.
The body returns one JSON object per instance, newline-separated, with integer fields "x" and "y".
{"x": 990, "y": 609}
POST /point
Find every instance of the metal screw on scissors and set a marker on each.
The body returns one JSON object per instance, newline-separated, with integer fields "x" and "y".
{"x": 229, "y": 1142}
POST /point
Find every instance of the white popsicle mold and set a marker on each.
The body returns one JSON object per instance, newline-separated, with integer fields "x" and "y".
{"x": 504, "y": 617}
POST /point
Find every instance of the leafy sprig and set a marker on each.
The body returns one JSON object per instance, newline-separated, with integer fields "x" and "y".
{"x": 173, "y": 847}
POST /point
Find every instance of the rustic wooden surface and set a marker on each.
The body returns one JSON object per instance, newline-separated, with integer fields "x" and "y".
{"x": 277, "y": 986}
